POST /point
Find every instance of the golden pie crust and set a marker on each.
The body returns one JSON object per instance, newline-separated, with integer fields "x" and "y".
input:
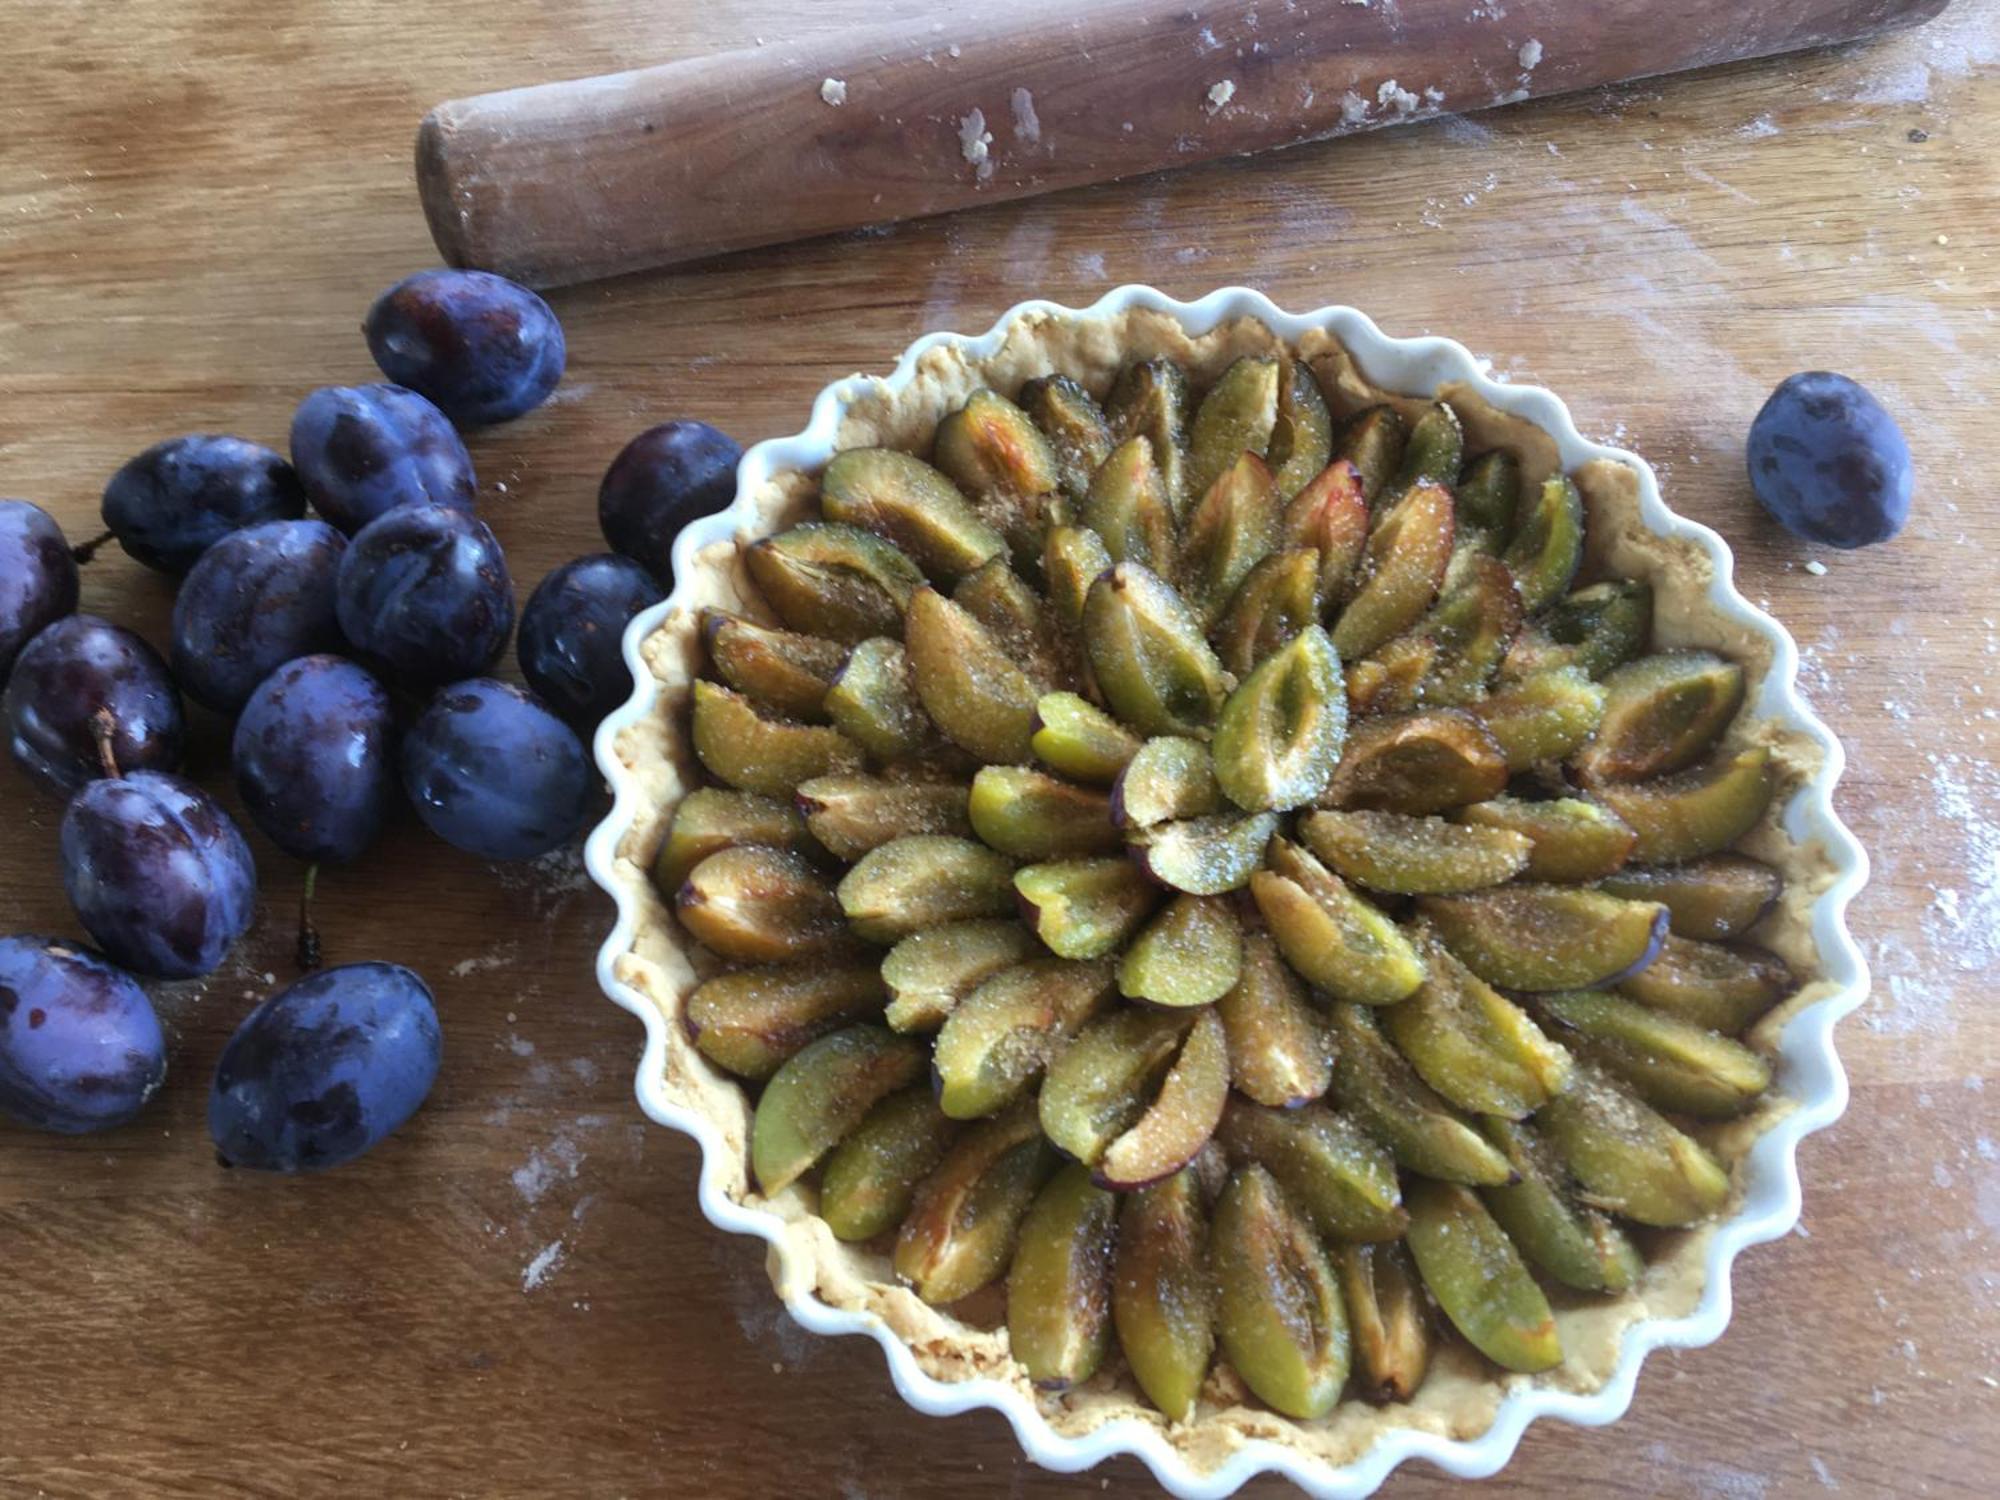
{"x": 1462, "y": 1392}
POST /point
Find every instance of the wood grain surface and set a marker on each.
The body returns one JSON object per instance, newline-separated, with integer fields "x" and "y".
{"x": 517, "y": 1297}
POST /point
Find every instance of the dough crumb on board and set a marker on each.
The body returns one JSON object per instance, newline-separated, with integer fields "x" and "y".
{"x": 1530, "y": 54}
{"x": 1220, "y": 94}
{"x": 834, "y": 91}
{"x": 974, "y": 143}
{"x": 1027, "y": 124}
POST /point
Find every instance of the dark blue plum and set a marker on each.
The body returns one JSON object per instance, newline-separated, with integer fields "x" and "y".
{"x": 80, "y": 1046}
{"x": 1829, "y": 463}
{"x": 363, "y": 450}
{"x": 82, "y": 676}
{"x": 314, "y": 758}
{"x": 325, "y": 1070}
{"x": 666, "y": 477}
{"x": 494, "y": 773}
{"x": 180, "y": 497}
{"x": 158, "y": 873}
{"x": 37, "y": 577}
{"x": 425, "y": 591}
{"x": 484, "y": 348}
{"x": 572, "y": 632}
{"x": 257, "y": 598}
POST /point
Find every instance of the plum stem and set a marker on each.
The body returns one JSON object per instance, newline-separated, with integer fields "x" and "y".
{"x": 104, "y": 732}
{"x": 83, "y": 552}
{"x": 308, "y": 954}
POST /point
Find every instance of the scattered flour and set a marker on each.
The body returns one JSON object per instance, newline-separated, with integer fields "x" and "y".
{"x": 1822, "y": 1473}
{"x": 833, "y": 91}
{"x": 548, "y": 1260}
{"x": 559, "y": 1161}
{"x": 1759, "y": 128}
{"x": 1219, "y": 94}
{"x": 1530, "y": 54}
{"x": 1027, "y": 124}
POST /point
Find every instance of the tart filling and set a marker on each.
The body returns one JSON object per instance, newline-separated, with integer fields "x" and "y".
{"x": 1326, "y": 826}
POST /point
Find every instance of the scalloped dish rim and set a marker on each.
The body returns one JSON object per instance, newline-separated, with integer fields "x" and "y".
{"x": 1810, "y": 1076}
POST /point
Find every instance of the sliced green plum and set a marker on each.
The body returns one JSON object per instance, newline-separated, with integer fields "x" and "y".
{"x": 821, "y": 1093}
{"x": 1418, "y": 763}
{"x": 1128, "y": 506}
{"x": 1545, "y": 716}
{"x": 711, "y": 818}
{"x": 1602, "y": 626}
{"x": 1401, "y": 570}
{"x": 1373, "y": 441}
{"x": 1078, "y": 434}
{"x": 1436, "y": 449}
{"x": 1330, "y": 516}
{"x": 1548, "y": 937}
{"x": 1137, "y": 1094}
{"x": 750, "y": 1020}
{"x": 1162, "y": 1296}
{"x": 1279, "y": 1307}
{"x": 1388, "y": 1317}
{"x": 1302, "y": 436}
{"x": 1237, "y": 416}
{"x": 1338, "y": 1174}
{"x": 1471, "y": 625}
{"x": 1334, "y": 939}
{"x": 839, "y": 582}
{"x": 1280, "y": 734}
{"x": 1084, "y": 908}
{"x": 1669, "y": 1063}
{"x": 780, "y": 670}
{"x": 973, "y": 691}
{"x": 1718, "y": 986}
{"x": 871, "y": 1178}
{"x": 738, "y": 745}
{"x": 1151, "y": 397}
{"x": 1170, "y": 777}
{"x": 873, "y": 701}
{"x": 1204, "y": 856}
{"x": 1276, "y": 600}
{"x": 928, "y": 973}
{"x": 961, "y": 1229}
{"x": 1072, "y": 559}
{"x": 997, "y": 1040}
{"x": 1232, "y": 528}
{"x": 1695, "y": 812}
{"x": 1279, "y": 1050}
{"x": 1713, "y": 899}
{"x": 1661, "y": 714}
{"x": 760, "y": 905}
{"x": 1571, "y": 839}
{"x": 1476, "y": 1048}
{"x": 1576, "y": 1244}
{"x": 1548, "y": 543}
{"x": 1059, "y": 1286}
{"x": 1407, "y": 856}
{"x": 1148, "y": 655}
{"x": 1489, "y": 497}
{"x": 994, "y": 453}
{"x": 1376, "y": 1084}
{"x": 1479, "y": 1278}
{"x": 1628, "y": 1159}
{"x": 1076, "y": 738}
{"x": 922, "y": 880}
{"x": 1019, "y": 621}
{"x": 905, "y": 501}
{"x": 1190, "y": 954}
{"x": 1033, "y": 815}
{"x": 852, "y": 814}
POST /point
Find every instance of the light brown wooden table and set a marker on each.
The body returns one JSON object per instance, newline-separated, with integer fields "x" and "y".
{"x": 517, "y": 1297}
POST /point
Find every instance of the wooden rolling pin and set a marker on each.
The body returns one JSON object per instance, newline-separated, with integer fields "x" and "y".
{"x": 570, "y": 181}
